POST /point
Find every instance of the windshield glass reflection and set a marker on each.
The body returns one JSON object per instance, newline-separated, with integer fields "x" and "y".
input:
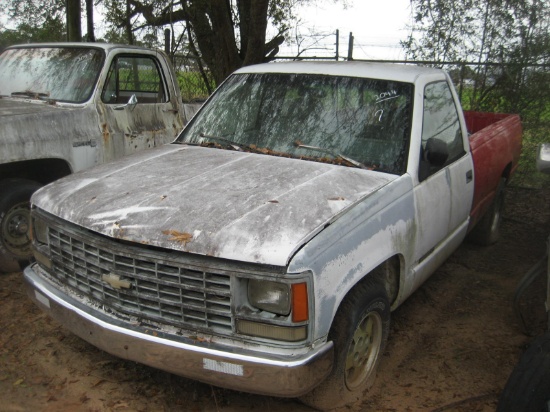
{"x": 50, "y": 73}
{"x": 345, "y": 120}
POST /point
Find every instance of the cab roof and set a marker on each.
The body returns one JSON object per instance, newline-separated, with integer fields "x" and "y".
{"x": 387, "y": 71}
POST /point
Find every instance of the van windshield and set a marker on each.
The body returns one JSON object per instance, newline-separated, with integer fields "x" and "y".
{"x": 344, "y": 120}
{"x": 66, "y": 74}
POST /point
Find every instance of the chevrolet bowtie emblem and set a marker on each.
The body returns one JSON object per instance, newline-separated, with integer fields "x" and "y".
{"x": 116, "y": 282}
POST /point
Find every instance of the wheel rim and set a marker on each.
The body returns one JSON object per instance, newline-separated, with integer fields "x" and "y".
{"x": 16, "y": 230}
{"x": 363, "y": 350}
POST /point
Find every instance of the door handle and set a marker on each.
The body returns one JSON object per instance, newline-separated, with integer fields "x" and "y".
{"x": 469, "y": 176}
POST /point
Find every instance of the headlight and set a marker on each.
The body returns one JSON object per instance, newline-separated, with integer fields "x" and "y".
{"x": 40, "y": 230}
{"x": 270, "y": 296}
{"x": 284, "y": 309}
{"x": 40, "y": 238}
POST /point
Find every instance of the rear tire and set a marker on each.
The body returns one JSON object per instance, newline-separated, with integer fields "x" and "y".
{"x": 528, "y": 387}
{"x": 359, "y": 332}
{"x": 487, "y": 230}
{"x": 15, "y": 241}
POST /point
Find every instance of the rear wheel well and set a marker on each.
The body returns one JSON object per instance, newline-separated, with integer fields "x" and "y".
{"x": 42, "y": 171}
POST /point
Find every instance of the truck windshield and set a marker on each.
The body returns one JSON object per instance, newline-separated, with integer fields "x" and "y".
{"x": 50, "y": 73}
{"x": 356, "y": 122}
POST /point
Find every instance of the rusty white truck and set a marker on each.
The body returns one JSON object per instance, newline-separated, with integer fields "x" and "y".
{"x": 66, "y": 107}
{"x": 265, "y": 248}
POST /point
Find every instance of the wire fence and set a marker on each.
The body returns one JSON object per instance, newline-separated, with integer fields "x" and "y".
{"x": 511, "y": 87}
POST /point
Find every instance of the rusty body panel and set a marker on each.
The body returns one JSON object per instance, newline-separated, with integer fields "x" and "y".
{"x": 65, "y": 107}
{"x": 26, "y": 133}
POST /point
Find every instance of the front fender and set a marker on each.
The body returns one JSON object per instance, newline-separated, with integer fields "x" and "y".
{"x": 374, "y": 230}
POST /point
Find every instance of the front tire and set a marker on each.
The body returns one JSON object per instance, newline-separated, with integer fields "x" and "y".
{"x": 15, "y": 241}
{"x": 359, "y": 332}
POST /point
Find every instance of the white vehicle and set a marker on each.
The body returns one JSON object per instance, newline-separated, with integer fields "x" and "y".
{"x": 65, "y": 107}
{"x": 265, "y": 248}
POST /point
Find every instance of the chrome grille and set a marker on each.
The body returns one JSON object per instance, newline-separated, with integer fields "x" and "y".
{"x": 167, "y": 293}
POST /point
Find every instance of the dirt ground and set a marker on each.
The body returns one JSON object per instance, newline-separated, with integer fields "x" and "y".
{"x": 452, "y": 344}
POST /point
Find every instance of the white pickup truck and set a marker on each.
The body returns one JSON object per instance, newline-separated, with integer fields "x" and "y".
{"x": 65, "y": 107}
{"x": 265, "y": 248}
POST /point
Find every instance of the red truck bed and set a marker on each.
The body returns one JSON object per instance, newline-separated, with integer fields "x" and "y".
{"x": 495, "y": 143}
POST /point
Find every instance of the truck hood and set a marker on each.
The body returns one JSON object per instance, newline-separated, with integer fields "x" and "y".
{"x": 228, "y": 204}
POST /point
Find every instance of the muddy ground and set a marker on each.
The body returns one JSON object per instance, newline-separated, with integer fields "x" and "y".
{"x": 452, "y": 344}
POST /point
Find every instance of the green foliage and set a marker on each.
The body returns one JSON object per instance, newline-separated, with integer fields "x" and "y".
{"x": 34, "y": 12}
{"x": 508, "y": 46}
{"x": 53, "y": 29}
{"x": 192, "y": 86}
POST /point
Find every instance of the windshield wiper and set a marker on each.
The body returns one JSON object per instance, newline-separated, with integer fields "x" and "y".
{"x": 231, "y": 143}
{"x": 31, "y": 94}
{"x": 334, "y": 154}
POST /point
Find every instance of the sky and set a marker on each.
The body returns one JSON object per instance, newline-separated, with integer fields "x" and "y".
{"x": 377, "y": 26}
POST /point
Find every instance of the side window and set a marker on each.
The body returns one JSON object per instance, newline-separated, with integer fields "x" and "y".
{"x": 134, "y": 75}
{"x": 441, "y": 133}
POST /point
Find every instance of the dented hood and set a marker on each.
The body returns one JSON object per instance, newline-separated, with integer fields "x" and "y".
{"x": 228, "y": 204}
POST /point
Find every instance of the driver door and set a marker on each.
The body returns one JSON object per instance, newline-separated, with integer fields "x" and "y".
{"x": 139, "y": 111}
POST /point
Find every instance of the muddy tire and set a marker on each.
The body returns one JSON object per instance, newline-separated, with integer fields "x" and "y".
{"x": 359, "y": 332}
{"x": 487, "y": 230}
{"x": 15, "y": 242}
{"x": 528, "y": 387}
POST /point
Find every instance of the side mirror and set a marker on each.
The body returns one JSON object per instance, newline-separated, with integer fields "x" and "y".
{"x": 543, "y": 158}
{"x": 132, "y": 101}
{"x": 436, "y": 152}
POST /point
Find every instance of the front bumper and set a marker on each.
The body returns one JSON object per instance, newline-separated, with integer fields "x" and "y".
{"x": 219, "y": 365}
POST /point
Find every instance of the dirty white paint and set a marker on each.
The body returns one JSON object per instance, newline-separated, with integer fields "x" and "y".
{"x": 241, "y": 206}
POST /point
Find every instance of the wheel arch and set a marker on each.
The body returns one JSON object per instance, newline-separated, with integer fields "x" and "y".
{"x": 389, "y": 273}
{"x": 507, "y": 172}
{"x": 42, "y": 171}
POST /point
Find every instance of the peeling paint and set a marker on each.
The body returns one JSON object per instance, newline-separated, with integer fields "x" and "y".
{"x": 217, "y": 193}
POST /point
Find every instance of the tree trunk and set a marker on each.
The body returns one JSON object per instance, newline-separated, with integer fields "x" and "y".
{"x": 74, "y": 28}
{"x": 213, "y": 28}
{"x": 90, "y": 36}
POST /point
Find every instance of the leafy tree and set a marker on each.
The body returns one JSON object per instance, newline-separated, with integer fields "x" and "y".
{"x": 509, "y": 41}
{"x": 225, "y": 34}
{"x": 37, "y": 13}
{"x": 53, "y": 29}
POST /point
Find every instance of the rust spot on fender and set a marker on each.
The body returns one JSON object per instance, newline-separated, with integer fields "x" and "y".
{"x": 105, "y": 131}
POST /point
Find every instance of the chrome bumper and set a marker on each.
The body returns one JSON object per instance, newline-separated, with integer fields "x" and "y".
{"x": 227, "y": 367}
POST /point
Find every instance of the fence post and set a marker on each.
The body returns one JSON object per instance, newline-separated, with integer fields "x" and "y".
{"x": 462, "y": 69}
{"x": 337, "y": 45}
{"x": 167, "y": 41}
{"x": 350, "y": 46}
